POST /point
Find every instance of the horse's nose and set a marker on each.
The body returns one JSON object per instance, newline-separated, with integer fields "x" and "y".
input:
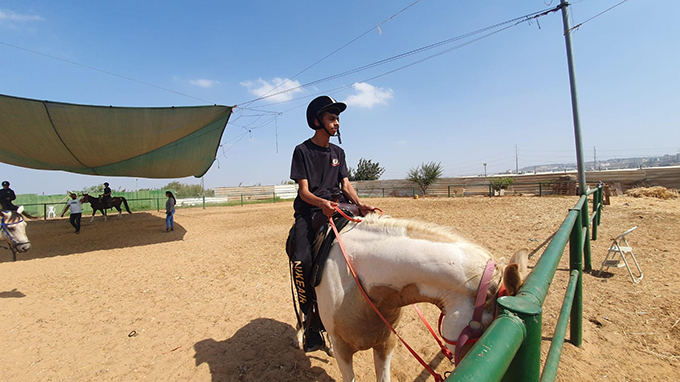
{"x": 24, "y": 247}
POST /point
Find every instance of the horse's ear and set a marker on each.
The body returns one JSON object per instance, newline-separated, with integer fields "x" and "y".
{"x": 515, "y": 273}
{"x": 521, "y": 258}
{"x": 20, "y": 209}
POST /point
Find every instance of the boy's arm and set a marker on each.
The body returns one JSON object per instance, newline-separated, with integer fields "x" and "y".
{"x": 353, "y": 197}
{"x": 65, "y": 208}
{"x": 326, "y": 206}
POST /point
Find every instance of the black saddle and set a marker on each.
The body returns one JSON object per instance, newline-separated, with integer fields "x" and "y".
{"x": 326, "y": 235}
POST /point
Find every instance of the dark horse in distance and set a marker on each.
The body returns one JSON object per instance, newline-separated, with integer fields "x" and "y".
{"x": 98, "y": 204}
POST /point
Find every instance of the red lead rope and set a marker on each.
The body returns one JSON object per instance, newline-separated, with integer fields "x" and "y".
{"x": 437, "y": 377}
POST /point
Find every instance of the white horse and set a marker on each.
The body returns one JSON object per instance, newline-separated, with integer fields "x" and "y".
{"x": 399, "y": 263}
{"x": 13, "y": 231}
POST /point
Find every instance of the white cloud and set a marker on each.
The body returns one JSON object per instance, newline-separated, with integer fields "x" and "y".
{"x": 368, "y": 95}
{"x": 262, "y": 88}
{"x": 204, "y": 83}
{"x": 7, "y": 15}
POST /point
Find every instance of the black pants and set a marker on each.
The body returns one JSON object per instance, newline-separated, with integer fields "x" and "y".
{"x": 75, "y": 220}
{"x": 302, "y": 260}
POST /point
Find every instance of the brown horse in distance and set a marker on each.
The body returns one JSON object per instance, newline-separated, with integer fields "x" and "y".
{"x": 98, "y": 205}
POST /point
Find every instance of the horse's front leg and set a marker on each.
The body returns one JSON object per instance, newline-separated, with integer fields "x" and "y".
{"x": 93, "y": 212}
{"x": 120, "y": 213}
{"x": 382, "y": 357}
{"x": 344, "y": 355}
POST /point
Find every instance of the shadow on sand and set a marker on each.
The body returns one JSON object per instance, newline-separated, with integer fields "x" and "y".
{"x": 259, "y": 351}
{"x": 56, "y": 237}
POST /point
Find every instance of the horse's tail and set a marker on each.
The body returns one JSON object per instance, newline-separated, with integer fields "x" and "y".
{"x": 127, "y": 208}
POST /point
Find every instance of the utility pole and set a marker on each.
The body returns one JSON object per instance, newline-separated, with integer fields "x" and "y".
{"x": 574, "y": 99}
{"x": 516, "y": 161}
{"x": 485, "y": 170}
{"x": 594, "y": 158}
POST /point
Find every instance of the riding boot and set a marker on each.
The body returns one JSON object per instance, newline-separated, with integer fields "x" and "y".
{"x": 313, "y": 339}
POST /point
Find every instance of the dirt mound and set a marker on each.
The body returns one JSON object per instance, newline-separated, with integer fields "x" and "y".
{"x": 653, "y": 192}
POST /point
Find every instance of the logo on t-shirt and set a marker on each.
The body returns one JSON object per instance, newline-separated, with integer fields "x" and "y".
{"x": 335, "y": 162}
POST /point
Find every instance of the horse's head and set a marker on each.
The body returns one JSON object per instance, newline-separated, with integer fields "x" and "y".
{"x": 13, "y": 230}
{"x": 504, "y": 279}
{"x": 86, "y": 198}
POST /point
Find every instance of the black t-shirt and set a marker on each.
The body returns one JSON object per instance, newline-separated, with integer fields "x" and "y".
{"x": 107, "y": 190}
{"x": 324, "y": 168}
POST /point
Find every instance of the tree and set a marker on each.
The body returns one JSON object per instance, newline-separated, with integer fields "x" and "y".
{"x": 498, "y": 184}
{"x": 366, "y": 170}
{"x": 183, "y": 190}
{"x": 425, "y": 175}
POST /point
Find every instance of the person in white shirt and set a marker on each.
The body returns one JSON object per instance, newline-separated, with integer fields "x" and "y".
{"x": 76, "y": 211}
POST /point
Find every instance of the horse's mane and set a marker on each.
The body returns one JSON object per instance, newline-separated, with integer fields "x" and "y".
{"x": 413, "y": 228}
{"x": 14, "y": 215}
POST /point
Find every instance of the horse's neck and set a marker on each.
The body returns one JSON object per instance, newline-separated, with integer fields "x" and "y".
{"x": 398, "y": 270}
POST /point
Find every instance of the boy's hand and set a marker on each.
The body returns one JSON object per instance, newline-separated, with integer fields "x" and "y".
{"x": 365, "y": 209}
{"x": 328, "y": 207}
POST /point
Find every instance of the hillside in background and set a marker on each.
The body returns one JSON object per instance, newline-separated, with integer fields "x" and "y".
{"x": 608, "y": 164}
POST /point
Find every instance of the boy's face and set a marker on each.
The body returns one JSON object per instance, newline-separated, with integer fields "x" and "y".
{"x": 331, "y": 122}
{"x": 73, "y": 196}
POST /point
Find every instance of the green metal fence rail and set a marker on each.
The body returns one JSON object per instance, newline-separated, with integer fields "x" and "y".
{"x": 464, "y": 189}
{"x": 510, "y": 349}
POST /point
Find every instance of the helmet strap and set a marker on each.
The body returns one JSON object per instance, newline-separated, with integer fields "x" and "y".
{"x": 328, "y": 132}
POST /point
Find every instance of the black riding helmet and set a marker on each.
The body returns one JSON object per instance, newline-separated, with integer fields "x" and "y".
{"x": 320, "y": 105}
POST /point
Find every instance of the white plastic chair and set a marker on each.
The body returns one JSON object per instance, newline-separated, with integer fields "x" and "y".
{"x": 51, "y": 212}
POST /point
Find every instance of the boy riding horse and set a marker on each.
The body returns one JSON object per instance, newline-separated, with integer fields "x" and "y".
{"x": 106, "y": 197}
{"x": 320, "y": 170}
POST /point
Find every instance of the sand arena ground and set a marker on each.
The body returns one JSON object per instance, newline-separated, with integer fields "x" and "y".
{"x": 125, "y": 301}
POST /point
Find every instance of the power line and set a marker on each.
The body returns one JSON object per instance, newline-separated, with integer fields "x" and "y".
{"x": 102, "y": 71}
{"x": 342, "y": 47}
{"x": 516, "y": 21}
{"x": 597, "y": 15}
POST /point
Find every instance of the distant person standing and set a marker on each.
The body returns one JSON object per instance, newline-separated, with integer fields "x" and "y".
{"x": 76, "y": 211}
{"x": 170, "y": 212}
{"x": 6, "y": 197}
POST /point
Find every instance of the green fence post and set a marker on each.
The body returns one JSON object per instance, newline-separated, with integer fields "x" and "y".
{"x": 383, "y": 192}
{"x": 575, "y": 256}
{"x": 274, "y": 196}
{"x": 540, "y": 188}
{"x": 526, "y": 366}
{"x": 585, "y": 222}
{"x": 449, "y": 191}
{"x": 45, "y": 211}
{"x": 601, "y": 202}
{"x": 596, "y": 213}
{"x": 158, "y": 207}
{"x": 241, "y": 200}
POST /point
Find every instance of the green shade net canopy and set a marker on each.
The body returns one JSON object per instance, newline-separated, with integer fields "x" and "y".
{"x": 164, "y": 142}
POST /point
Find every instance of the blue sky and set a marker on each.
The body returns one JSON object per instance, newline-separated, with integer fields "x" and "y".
{"x": 470, "y": 106}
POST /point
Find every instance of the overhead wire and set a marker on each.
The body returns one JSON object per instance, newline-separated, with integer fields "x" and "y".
{"x": 103, "y": 71}
{"x": 342, "y": 47}
{"x": 597, "y": 15}
{"x": 508, "y": 23}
